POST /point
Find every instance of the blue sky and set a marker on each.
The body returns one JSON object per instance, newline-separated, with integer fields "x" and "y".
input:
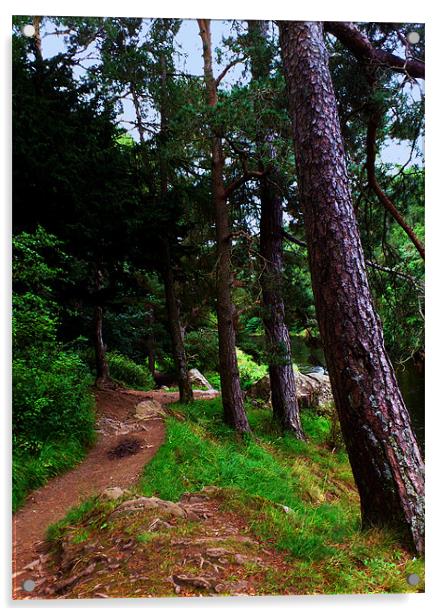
{"x": 190, "y": 60}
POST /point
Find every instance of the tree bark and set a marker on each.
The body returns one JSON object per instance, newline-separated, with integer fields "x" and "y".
{"x": 178, "y": 347}
{"x": 383, "y": 452}
{"x": 101, "y": 363}
{"x": 281, "y": 373}
{"x": 232, "y": 397}
{"x": 150, "y": 342}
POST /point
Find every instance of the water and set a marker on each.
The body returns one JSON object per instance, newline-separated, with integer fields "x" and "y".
{"x": 411, "y": 380}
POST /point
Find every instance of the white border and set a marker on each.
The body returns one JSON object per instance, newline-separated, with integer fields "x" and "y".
{"x": 375, "y": 10}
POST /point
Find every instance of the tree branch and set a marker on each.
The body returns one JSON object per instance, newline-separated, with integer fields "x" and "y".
{"x": 226, "y": 69}
{"x": 374, "y": 185}
{"x": 359, "y": 44}
{"x": 382, "y": 268}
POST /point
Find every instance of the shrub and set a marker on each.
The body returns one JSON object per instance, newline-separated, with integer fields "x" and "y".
{"x": 250, "y": 372}
{"x": 125, "y": 370}
{"x": 51, "y": 401}
{"x": 214, "y": 379}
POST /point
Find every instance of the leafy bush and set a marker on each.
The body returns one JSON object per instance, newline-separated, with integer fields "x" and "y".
{"x": 250, "y": 372}
{"x": 51, "y": 401}
{"x": 129, "y": 373}
{"x": 202, "y": 350}
{"x": 214, "y": 379}
{"x": 53, "y": 418}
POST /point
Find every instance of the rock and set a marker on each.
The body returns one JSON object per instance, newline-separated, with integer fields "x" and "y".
{"x": 143, "y": 502}
{"x": 286, "y": 509}
{"x": 217, "y": 552}
{"x": 197, "y": 378}
{"x": 195, "y": 581}
{"x": 114, "y": 493}
{"x": 312, "y": 390}
{"x": 149, "y": 409}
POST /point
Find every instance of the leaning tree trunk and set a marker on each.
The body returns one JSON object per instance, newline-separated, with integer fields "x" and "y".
{"x": 232, "y": 397}
{"x": 383, "y": 452}
{"x": 281, "y": 373}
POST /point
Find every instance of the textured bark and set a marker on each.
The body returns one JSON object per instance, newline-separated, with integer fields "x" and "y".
{"x": 383, "y": 452}
{"x": 232, "y": 397}
{"x": 151, "y": 342}
{"x": 359, "y": 44}
{"x": 178, "y": 347}
{"x": 37, "y": 39}
{"x": 281, "y": 374}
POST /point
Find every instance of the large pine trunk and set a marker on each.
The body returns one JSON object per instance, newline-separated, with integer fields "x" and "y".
{"x": 281, "y": 374}
{"x": 232, "y": 396}
{"x": 383, "y": 452}
{"x": 178, "y": 347}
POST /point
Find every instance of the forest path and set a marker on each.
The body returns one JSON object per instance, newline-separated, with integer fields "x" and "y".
{"x": 116, "y": 422}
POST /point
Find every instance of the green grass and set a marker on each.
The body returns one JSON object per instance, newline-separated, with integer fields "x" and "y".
{"x": 264, "y": 472}
{"x": 31, "y": 471}
{"x": 317, "y": 530}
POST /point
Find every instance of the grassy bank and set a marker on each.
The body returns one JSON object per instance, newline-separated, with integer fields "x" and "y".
{"x": 297, "y": 499}
{"x": 33, "y": 471}
{"x": 300, "y": 497}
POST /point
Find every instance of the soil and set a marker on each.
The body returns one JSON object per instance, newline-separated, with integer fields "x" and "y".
{"x": 98, "y": 471}
{"x": 154, "y": 548}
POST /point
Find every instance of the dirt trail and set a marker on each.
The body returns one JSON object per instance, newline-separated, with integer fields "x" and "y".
{"x": 98, "y": 471}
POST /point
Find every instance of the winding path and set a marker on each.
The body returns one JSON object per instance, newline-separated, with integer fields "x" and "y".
{"x": 96, "y": 473}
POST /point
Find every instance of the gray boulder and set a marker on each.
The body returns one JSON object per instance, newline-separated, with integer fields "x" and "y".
{"x": 313, "y": 390}
{"x": 197, "y": 378}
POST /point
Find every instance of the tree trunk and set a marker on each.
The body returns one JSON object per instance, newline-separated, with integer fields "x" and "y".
{"x": 151, "y": 340}
{"x": 232, "y": 397}
{"x": 281, "y": 373}
{"x": 178, "y": 347}
{"x": 383, "y": 452}
{"x": 101, "y": 363}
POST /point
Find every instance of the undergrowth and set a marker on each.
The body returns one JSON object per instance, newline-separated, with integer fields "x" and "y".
{"x": 31, "y": 471}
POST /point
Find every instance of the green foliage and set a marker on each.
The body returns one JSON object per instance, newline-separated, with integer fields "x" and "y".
{"x": 51, "y": 400}
{"x": 30, "y": 471}
{"x": 202, "y": 350}
{"x": 128, "y": 372}
{"x": 214, "y": 379}
{"x": 250, "y": 372}
{"x": 53, "y": 419}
